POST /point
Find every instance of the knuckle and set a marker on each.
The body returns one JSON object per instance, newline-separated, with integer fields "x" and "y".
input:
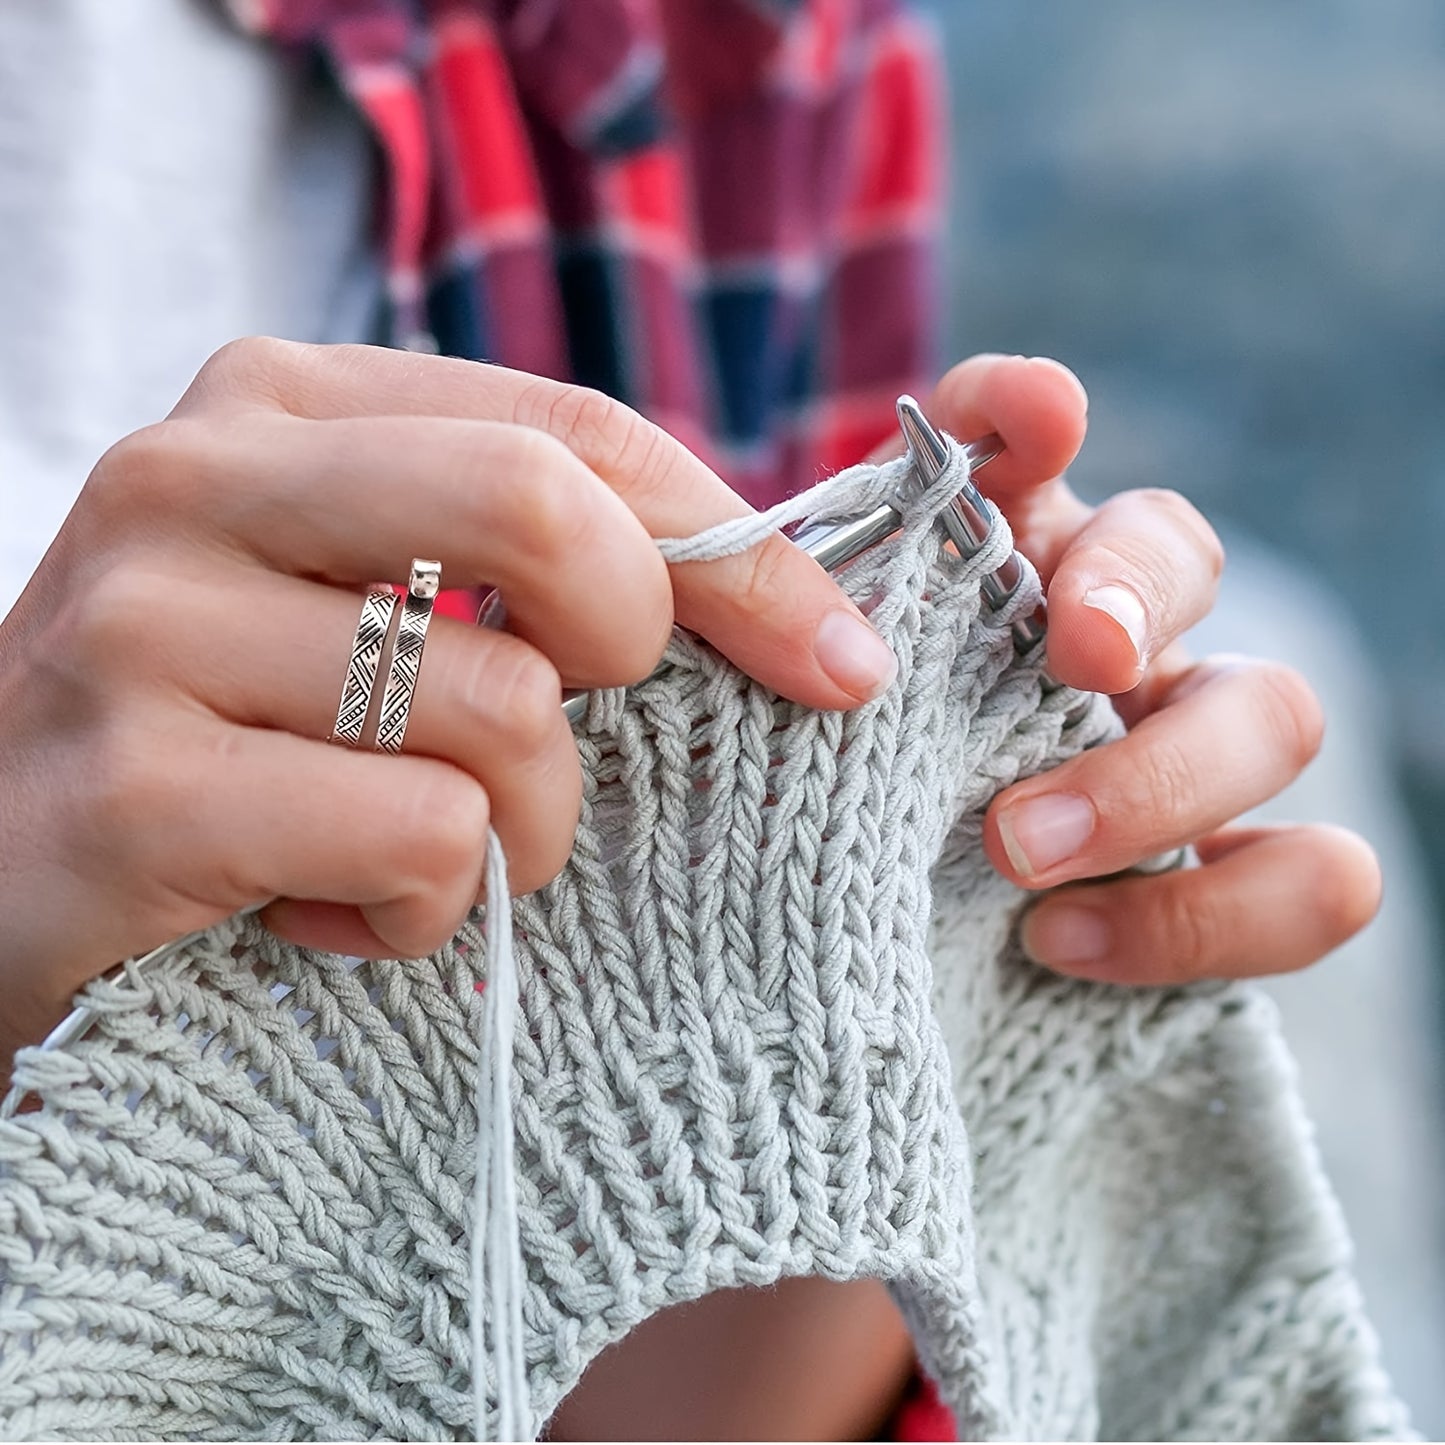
{"x": 529, "y": 695}
{"x": 1291, "y": 712}
{"x": 1183, "y": 519}
{"x": 566, "y": 512}
{"x": 587, "y": 422}
{"x": 1188, "y": 519}
{"x": 1173, "y": 505}
{"x": 768, "y": 579}
{"x": 100, "y": 631}
{"x": 552, "y": 521}
{"x": 642, "y": 458}
{"x": 128, "y": 790}
{"x": 1185, "y": 934}
{"x": 255, "y": 367}
{"x": 611, "y": 438}
{"x": 516, "y": 693}
{"x": 141, "y": 472}
{"x": 1170, "y": 786}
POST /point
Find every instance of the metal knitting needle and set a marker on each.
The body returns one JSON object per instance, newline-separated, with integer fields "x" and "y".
{"x": 968, "y": 520}
{"x": 834, "y": 544}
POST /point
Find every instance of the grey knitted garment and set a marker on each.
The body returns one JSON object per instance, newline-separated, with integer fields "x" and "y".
{"x": 769, "y": 1021}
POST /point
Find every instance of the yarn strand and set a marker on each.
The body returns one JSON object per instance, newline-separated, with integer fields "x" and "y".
{"x": 498, "y": 1274}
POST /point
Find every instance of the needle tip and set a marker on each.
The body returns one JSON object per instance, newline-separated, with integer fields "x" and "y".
{"x": 927, "y": 448}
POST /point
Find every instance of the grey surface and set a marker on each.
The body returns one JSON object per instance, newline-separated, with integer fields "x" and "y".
{"x": 1362, "y": 1024}
{"x": 1230, "y": 220}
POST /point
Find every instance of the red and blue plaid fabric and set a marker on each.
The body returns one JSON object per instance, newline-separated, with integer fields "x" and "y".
{"x": 723, "y": 212}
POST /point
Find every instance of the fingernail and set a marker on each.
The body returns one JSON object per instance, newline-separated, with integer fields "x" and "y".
{"x": 1040, "y": 833}
{"x": 1065, "y": 936}
{"x": 1062, "y": 370}
{"x": 1123, "y": 605}
{"x": 854, "y": 655}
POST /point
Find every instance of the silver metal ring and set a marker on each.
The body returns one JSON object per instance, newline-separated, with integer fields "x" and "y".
{"x": 401, "y": 675}
{"x": 376, "y": 614}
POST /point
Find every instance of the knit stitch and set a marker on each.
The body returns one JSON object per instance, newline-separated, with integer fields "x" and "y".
{"x": 772, "y": 1021}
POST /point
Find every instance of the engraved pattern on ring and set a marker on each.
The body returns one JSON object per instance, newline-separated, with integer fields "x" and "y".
{"x": 406, "y": 653}
{"x": 376, "y": 614}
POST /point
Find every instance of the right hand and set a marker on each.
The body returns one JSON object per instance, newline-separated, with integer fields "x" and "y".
{"x": 171, "y": 673}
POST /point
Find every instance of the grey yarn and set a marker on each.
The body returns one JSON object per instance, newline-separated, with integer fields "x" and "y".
{"x": 770, "y": 1020}
{"x": 498, "y": 1273}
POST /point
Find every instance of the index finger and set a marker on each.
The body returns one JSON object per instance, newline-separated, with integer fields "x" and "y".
{"x": 772, "y": 610}
{"x": 1037, "y": 405}
{"x": 1038, "y": 408}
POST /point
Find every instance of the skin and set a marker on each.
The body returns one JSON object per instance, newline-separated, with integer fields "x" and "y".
{"x": 186, "y": 635}
{"x": 1208, "y": 740}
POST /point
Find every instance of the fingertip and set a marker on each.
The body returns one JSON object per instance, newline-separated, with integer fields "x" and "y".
{"x": 1351, "y": 885}
{"x": 781, "y": 618}
{"x": 853, "y": 655}
{"x": 323, "y": 927}
{"x": 1037, "y": 405}
{"x": 996, "y": 847}
{"x": 1068, "y": 937}
{"x": 1097, "y": 637}
{"x": 1033, "y": 837}
{"x": 1065, "y": 383}
{"x": 409, "y": 927}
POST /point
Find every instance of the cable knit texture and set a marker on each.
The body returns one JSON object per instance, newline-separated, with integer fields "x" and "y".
{"x": 771, "y": 1021}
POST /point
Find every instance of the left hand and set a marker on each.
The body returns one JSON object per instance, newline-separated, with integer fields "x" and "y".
{"x": 1207, "y": 740}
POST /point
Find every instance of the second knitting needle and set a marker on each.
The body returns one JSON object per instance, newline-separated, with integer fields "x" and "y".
{"x": 834, "y": 544}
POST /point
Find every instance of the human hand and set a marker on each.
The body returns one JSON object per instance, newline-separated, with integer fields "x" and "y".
{"x": 1207, "y": 740}
{"x": 171, "y": 673}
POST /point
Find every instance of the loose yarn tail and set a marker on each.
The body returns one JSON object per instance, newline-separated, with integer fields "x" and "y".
{"x": 498, "y": 1274}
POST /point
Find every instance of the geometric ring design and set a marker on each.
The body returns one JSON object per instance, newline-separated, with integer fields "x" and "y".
{"x": 401, "y": 675}
{"x": 376, "y": 614}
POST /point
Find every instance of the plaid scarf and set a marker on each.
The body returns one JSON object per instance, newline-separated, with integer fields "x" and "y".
{"x": 723, "y": 212}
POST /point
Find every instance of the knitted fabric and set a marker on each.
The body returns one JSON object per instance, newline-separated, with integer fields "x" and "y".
{"x": 771, "y": 1021}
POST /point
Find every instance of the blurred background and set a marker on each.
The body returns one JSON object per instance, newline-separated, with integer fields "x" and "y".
{"x": 1228, "y": 218}
{"x": 1230, "y": 221}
